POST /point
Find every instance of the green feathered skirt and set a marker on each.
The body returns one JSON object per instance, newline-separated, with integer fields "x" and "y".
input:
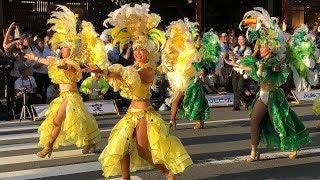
{"x": 285, "y": 131}
{"x": 195, "y": 105}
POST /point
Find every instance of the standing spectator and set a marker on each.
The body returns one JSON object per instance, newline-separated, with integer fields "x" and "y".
{"x": 41, "y": 70}
{"x": 46, "y": 41}
{"x": 95, "y": 86}
{"x": 226, "y": 69}
{"x": 9, "y": 40}
{"x": 17, "y": 57}
{"x": 238, "y": 76}
{"x": 232, "y": 39}
{"x": 26, "y": 84}
{"x": 26, "y": 44}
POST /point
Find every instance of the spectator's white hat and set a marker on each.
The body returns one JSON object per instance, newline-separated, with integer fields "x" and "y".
{"x": 224, "y": 34}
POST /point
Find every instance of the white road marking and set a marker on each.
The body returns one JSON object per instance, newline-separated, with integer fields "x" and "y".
{"x": 215, "y": 121}
{"x": 18, "y": 128}
{"x": 34, "y": 158}
{"x": 272, "y": 155}
{"x": 55, "y": 171}
{"x": 30, "y": 135}
{"x": 14, "y": 147}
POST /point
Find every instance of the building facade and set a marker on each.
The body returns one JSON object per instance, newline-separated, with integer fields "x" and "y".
{"x": 32, "y": 14}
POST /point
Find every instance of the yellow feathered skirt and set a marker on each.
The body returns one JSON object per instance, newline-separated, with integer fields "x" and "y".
{"x": 79, "y": 127}
{"x": 165, "y": 148}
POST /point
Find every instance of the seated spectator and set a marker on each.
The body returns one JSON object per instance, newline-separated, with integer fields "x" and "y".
{"x": 210, "y": 82}
{"x": 26, "y": 84}
{"x": 52, "y": 92}
{"x": 159, "y": 91}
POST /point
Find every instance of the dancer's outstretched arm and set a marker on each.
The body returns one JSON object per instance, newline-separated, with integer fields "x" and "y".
{"x": 32, "y": 57}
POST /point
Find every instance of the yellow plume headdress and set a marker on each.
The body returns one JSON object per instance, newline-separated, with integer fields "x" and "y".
{"x": 135, "y": 25}
{"x": 64, "y": 26}
{"x": 85, "y": 46}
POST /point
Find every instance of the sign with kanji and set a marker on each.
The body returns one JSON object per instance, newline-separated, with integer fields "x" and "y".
{"x": 101, "y": 107}
{"x": 94, "y": 107}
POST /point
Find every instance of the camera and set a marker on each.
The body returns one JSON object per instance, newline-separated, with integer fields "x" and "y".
{"x": 6, "y": 64}
{"x": 23, "y": 90}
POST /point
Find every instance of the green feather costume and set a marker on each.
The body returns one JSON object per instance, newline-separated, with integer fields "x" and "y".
{"x": 281, "y": 128}
{"x": 195, "y": 105}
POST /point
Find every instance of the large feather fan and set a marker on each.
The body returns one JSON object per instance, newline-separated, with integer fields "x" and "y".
{"x": 92, "y": 48}
{"x": 301, "y": 55}
{"x": 178, "y": 55}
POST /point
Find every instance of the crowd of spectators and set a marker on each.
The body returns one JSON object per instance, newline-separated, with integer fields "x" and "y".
{"x": 31, "y": 78}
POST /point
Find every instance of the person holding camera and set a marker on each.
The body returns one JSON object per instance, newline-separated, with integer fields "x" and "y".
{"x": 26, "y": 84}
{"x": 12, "y": 37}
{"x": 40, "y": 71}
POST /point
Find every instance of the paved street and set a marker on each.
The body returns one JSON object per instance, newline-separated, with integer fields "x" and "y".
{"x": 218, "y": 152}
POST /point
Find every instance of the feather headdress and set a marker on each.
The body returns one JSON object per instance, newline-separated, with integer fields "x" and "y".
{"x": 64, "y": 25}
{"x": 135, "y": 25}
{"x": 85, "y": 45}
{"x": 260, "y": 26}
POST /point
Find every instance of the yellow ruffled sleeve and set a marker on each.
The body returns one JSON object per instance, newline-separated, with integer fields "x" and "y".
{"x": 128, "y": 83}
{"x": 64, "y": 71}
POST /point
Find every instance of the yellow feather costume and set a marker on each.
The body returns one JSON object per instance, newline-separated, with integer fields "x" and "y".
{"x": 178, "y": 55}
{"x": 79, "y": 126}
{"x": 165, "y": 148}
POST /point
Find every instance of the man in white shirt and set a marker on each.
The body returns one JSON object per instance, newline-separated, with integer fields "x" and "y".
{"x": 41, "y": 70}
{"x": 26, "y": 84}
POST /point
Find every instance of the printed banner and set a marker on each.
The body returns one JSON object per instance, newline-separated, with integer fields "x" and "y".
{"x": 220, "y": 100}
{"x": 306, "y": 96}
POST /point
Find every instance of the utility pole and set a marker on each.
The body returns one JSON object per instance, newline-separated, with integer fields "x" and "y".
{"x": 199, "y": 13}
{"x": 286, "y": 12}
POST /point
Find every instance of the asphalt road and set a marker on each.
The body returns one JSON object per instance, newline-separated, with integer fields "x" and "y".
{"x": 218, "y": 152}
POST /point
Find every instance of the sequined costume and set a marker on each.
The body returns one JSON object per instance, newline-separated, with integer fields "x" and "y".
{"x": 279, "y": 127}
{"x": 165, "y": 148}
{"x": 79, "y": 127}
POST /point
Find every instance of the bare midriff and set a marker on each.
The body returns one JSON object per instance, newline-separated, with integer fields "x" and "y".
{"x": 140, "y": 104}
{"x": 266, "y": 87}
{"x": 68, "y": 87}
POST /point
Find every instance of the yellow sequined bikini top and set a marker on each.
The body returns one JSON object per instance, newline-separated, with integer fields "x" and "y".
{"x": 130, "y": 85}
{"x": 71, "y": 73}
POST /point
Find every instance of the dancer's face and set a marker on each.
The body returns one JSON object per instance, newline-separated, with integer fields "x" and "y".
{"x": 65, "y": 52}
{"x": 140, "y": 55}
{"x": 265, "y": 50}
